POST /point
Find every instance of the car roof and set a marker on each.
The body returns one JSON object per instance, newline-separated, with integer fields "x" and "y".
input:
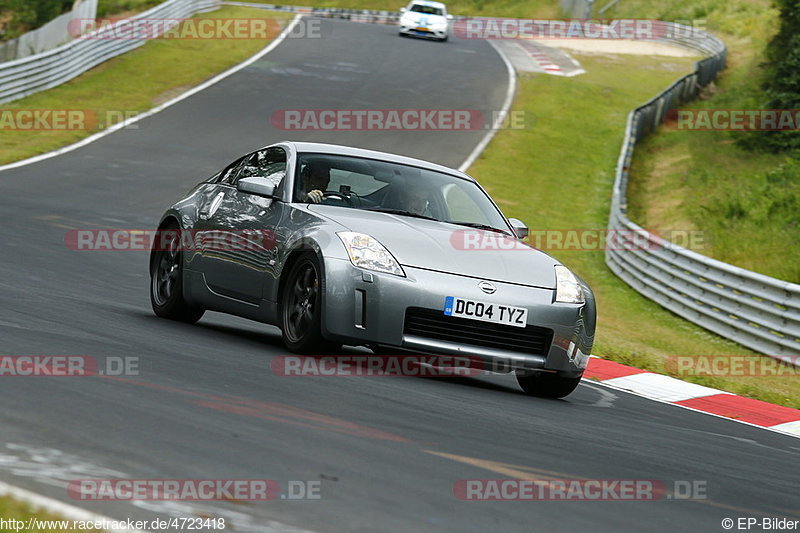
{"x": 336, "y": 149}
{"x": 428, "y": 3}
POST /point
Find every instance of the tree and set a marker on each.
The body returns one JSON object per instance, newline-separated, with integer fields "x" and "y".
{"x": 28, "y": 15}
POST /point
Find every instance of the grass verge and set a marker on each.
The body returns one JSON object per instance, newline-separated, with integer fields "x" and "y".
{"x": 132, "y": 83}
{"x": 558, "y": 175}
{"x": 13, "y": 509}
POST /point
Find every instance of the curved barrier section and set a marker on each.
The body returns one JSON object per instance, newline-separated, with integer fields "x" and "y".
{"x": 32, "y": 74}
{"x": 754, "y": 310}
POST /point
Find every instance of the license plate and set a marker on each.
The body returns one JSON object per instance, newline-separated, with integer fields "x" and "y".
{"x": 486, "y": 312}
{"x": 422, "y": 29}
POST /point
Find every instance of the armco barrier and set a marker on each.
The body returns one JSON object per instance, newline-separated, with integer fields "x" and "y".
{"x": 754, "y": 310}
{"x": 370, "y": 16}
{"x": 32, "y": 74}
{"x": 354, "y": 15}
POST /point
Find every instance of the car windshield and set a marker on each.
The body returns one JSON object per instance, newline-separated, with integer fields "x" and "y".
{"x": 372, "y": 185}
{"x": 428, "y": 10}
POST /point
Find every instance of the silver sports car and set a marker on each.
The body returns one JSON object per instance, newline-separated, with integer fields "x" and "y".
{"x": 338, "y": 245}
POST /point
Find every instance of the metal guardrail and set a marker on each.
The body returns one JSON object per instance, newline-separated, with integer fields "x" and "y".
{"x": 32, "y": 74}
{"x": 370, "y": 16}
{"x": 355, "y": 15}
{"x": 757, "y": 311}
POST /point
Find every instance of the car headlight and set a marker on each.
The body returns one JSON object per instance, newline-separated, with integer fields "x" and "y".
{"x": 568, "y": 290}
{"x": 367, "y": 252}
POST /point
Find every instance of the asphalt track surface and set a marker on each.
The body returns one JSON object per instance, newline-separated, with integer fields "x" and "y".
{"x": 206, "y": 405}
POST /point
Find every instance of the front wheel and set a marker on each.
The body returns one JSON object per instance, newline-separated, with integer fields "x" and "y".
{"x": 166, "y": 280}
{"x": 546, "y": 385}
{"x": 301, "y": 308}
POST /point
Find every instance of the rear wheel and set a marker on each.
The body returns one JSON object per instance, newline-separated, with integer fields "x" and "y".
{"x": 301, "y": 308}
{"x": 547, "y": 385}
{"x": 166, "y": 280}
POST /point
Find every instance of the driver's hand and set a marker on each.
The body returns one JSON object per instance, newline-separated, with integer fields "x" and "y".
{"x": 315, "y": 196}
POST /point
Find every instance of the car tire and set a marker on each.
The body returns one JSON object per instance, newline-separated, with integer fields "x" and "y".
{"x": 301, "y": 309}
{"x": 166, "y": 280}
{"x": 547, "y": 385}
{"x": 443, "y": 39}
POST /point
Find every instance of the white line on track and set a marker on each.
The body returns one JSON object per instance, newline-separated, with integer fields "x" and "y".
{"x": 205, "y": 85}
{"x": 512, "y": 89}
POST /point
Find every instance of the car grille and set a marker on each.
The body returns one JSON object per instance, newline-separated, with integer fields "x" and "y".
{"x": 433, "y": 324}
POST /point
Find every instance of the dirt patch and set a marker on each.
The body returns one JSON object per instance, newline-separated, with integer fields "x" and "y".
{"x": 620, "y": 46}
{"x": 659, "y": 182}
{"x": 170, "y": 94}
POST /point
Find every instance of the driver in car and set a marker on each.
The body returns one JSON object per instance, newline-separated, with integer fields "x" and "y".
{"x": 415, "y": 200}
{"x": 314, "y": 180}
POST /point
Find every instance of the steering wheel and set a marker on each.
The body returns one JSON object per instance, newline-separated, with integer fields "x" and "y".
{"x": 347, "y": 198}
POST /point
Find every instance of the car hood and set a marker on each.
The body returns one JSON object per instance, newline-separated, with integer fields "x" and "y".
{"x": 422, "y": 19}
{"x": 433, "y": 245}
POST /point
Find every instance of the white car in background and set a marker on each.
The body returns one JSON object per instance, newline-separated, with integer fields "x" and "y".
{"x": 422, "y": 18}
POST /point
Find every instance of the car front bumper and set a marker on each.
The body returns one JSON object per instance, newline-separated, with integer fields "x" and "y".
{"x": 370, "y": 308}
{"x": 426, "y": 32}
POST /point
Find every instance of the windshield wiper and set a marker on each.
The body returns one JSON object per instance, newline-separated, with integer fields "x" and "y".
{"x": 399, "y": 212}
{"x": 478, "y": 225}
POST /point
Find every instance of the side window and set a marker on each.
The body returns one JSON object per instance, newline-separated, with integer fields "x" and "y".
{"x": 269, "y": 163}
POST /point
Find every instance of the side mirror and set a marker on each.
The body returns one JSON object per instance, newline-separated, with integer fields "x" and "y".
{"x": 256, "y": 185}
{"x": 402, "y": 10}
{"x": 449, "y": 16}
{"x": 520, "y": 229}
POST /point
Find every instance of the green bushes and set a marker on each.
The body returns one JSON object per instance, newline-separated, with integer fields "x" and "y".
{"x": 106, "y": 8}
{"x": 26, "y": 15}
{"x": 782, "y": 82}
